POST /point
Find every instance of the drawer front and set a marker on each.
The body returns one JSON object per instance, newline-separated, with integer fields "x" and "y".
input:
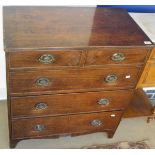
{"x": 95, "y": 122}
{"x": 44, "y": 81}
{"x": 44, "y": 59}
{"x": 101, "y": 56}
{"x": 69, "y": 103}
{"x": 48, "y": 126}
{"x": 38, "y": 127}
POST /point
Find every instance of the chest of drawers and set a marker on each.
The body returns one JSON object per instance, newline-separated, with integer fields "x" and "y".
{"x": 70, "y": 71}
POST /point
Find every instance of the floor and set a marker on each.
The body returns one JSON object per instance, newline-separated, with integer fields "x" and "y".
{"x": 135, "y": 129}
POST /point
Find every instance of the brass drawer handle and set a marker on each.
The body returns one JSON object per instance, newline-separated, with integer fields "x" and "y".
{"x": 103, "y": 101}
{"x": 46, "y": 59}
{"x": 39, "y": 127}
{"x": 42, "y": 82}
{"x": 96, "y": 122}
{"x": 40, "y": 106}
{"x": 111, "y": 78}
{"x": 118, "y": 57}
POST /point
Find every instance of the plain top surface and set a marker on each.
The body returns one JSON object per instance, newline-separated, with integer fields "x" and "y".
{"x": 49, "y": 27}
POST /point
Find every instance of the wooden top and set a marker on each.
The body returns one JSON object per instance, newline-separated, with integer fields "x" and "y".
{"x": 33, "y": 27}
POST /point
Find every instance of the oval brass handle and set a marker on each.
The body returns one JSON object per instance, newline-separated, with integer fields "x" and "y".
{"x": 43, "y": 82}
{"x": 39, "y": 127}
{"x": 118, "y": 57}
{"x": 111, "y": 78}
{"x": 46, "y": 59}
{"x": 40, "y": 106}
{"x": 103, "y": 101}
{"x": 96, "y": 122}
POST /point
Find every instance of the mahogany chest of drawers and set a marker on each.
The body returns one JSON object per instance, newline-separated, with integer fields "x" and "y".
{"x": 70, "y": 70}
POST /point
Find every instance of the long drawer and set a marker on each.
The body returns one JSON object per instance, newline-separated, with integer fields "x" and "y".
{"x": 43, "y": 81}
{"x": 46, "y": 126}
{"x": 69, "y": 103}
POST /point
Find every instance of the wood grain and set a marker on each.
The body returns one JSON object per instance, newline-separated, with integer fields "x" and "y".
{"x": 102, "y": 56}
{"x": 89, "y": 79}
{"x": 147, "y": 78}
{"x": 61, "y": 104}
{"x": 30, "y": 59}
{"x": 81, "y": 41}
{"x": 45, "y": 27}
{"x": 82, "y": 123}
{"x": 153, "y": 54}
{"x": 140, "y": 105}
{"x": 24, "y": 128}
{"x": 65, "y": 124}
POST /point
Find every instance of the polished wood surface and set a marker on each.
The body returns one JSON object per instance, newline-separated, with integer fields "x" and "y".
{"x": 31, "y": 58}
{"x": 76, "y": 58}
{"x": 152, "y": 56}
{"x": 82, "y": 123}
{"x": 25, "y": 128}
{"x": 102, "y": 56}
{"x": 24, "y": 83}
{"x": 61, "y": 104}
{"x": 140, "y": 105}
{"x": 48, "y": 27}
{"x": 65, "y": 124}
{"x": 147, "y": 78}
{"x": 60, "y": 61}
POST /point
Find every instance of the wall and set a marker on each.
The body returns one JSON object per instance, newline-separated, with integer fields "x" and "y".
{"x": 133, "y": 8}
{"x": 2, "y": 62}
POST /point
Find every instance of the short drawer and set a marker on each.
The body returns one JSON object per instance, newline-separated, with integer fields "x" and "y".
{"x": 70, "y": 103}
{"x": 46, "y": 81}
{"x": 38, "y": 127}
{"x": 49, "y": 126}
{"x": 95, "y": 122}
{"x": 39, "y": 59}
{"x": 102, "y": 56}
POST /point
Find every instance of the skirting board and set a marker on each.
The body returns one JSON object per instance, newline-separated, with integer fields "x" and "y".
{"x": 3, "y": 93}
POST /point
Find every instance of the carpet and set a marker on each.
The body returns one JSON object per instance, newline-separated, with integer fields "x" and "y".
{"x": 120, "y": 145}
